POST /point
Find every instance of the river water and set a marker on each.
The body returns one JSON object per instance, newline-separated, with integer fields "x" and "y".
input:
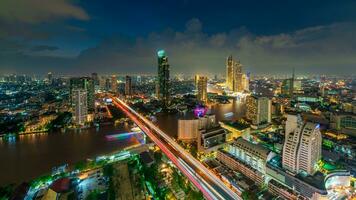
{"x": 33, "y": 155}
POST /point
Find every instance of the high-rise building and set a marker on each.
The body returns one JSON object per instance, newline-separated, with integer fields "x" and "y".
{"x": 107, "y": 84}
{"x": 80, "y": 112}
{"x": 196, "y": 79}
{"x": 287, "y": 88}
{"x": 259, "y": 110}
{"x": 128, "y": 86}
{"x": 87, "y": 84}
{"x": 138, "y": 80}
{"x": 230, "y": 73}
{"x": 163, "y": 81}
{"x": 50, "y": 77}
{"x": 236, "y": 80}
{"x": 202, "y": 85}
{"x": 302, "y": 146}
{"x": 245, "y": 82}
{"x": 113, "y": 84}
{"x": 95, "y": 78}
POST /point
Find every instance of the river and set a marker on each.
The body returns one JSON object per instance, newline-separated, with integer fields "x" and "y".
{"x": 33, "y": 155}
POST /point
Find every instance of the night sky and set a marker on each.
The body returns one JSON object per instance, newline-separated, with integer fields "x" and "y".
{"x": 122, "y": 37}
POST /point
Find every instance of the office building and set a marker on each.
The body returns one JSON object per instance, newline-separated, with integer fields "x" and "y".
{"x": 202, "y": 85}
{"x": 188, "y": 129}
{"x": 113, "y": 84}
{"x": 211, "y": 138}
{"x": 245, "y": 82}
{"x": 287, "y": 87}
{"x": 196, "y": 79}
{"x": 251, "y": 154}
{"x": 128, "y": 86}
{"x": 236, "y": 80}
{"x": 344, "y": 122}
{"x": 50, "y": 77}
{"x": 302, "y": 146}
{"x": 259, "y": 110}
{"x": 230, "y": 73}
{"x": 87, "y": 84}
{"x": 163, "y": 80}
{"x": 80, "y": 112}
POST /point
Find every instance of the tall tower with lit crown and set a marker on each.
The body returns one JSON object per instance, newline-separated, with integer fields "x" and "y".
{"x": 163, "y": 81}
{"x": 230, "y": 73}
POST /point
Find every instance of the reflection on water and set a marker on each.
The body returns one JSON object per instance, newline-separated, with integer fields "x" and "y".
{"x": 33, "y": 155}
{"x": 29, "y": 156}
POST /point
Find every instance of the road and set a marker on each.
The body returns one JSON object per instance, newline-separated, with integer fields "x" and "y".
{"x": 204, "y": 179}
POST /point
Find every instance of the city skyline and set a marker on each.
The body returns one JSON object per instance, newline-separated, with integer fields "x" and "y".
{"x": 81, "y": 36}
{"x": 177, "y": 100}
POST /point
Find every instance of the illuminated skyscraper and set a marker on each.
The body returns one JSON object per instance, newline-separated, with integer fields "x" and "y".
{"x": 87, "y": 84}
{"x": 258, "y": 110}
{"x": 230, "y": 73}
{"x": 202, "y": 85}
{"x": 235, "y": 79}
{"x": 287, "y": 88}
{"x": 196, "y": 79}
{"x": 302, "y": 145}
{"x": 50, "y": 77}
{"x": 128, "y": 86}
{"x": 245, "y": 82}
{"x": 163, "y": 81}
{"x": 80, "y": 112}
{"x": 113, "y": 84}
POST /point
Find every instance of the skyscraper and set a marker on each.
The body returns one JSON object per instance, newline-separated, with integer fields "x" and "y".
{"x": 230, "y": 73}
{"x": 163, "y": 81}
{"x": 113, "y": 84}
{"x": 302, "y": 145}
{"x": 202, "y": 85}
{"x": 196, "y": 79}
{"x": 87, "y": 84}
{"x": 50, "y": 77}
{"x": 258, "y": 110}
{"x": 128, "y": 86}
{"x": 95, "y": 78}
{"x": 235, "y": 79}
{"x": 287, "y": 88}
{"x": 80, "y": 112}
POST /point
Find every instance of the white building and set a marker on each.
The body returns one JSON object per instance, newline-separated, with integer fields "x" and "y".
{"x": 188, "y": 129}
{"x": 80, "y": 106}
{"x": 302, "y": 146}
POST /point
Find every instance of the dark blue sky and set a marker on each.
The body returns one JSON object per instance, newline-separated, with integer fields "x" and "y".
{"x": 268, "y": 36}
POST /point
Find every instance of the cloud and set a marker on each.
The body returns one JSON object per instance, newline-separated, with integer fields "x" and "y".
{"x": 37, "y": 11}
{"x": 44, "y": 48}
{"x": 320, "y": 49}
{"x": 327, "y": 49}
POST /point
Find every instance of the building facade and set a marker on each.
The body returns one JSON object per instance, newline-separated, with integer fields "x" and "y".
{"x": 128, "y": 86}
{"x": 163, "y": 79}
{"x": 86, "y": 84}
{"x": 202, "y": 86}
{"x": 80, "y": 113}
{"x": 302, "y": 146}
{"x": 259, "y": 110}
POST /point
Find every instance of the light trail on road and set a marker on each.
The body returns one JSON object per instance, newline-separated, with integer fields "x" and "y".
{"x": 204, "y": 179}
